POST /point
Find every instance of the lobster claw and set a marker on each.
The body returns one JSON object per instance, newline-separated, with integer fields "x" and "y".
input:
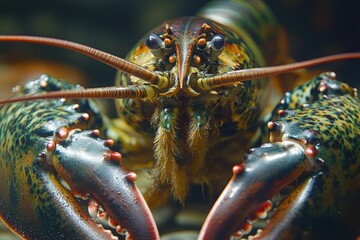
{"x": 265, "y": 171}
{"x": 89, "y": 167}
{"x": 50, "y": 168}
{"x": 310, "y": 169}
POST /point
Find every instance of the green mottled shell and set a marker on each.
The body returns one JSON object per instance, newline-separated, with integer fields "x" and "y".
{"x": 26, "y": 129}
{"x": 325, "y": 114}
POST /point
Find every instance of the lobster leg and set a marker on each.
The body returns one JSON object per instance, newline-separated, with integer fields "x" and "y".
{"x": 44, "y": 154}
{"x": 312, "y": 165}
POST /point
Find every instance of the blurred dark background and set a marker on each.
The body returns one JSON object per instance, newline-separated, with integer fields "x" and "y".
{"x": 315, "y": 28}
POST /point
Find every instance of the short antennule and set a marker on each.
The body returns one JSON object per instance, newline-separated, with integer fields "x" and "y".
{"x": 138, "y": 91}
{"x": 109, "y": 59}
{"x": 236, "y": 77}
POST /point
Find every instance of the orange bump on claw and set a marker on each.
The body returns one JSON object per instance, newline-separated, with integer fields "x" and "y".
{"x": 62, "y": 133}
{"x": 96, "y": 132}
{"x": 262, "y": 210}
{"x": 50, "y": 146}
{"x": 131, "y": 176}
{"x": 271, "y": 125}
{"x": 310, "y": 151}
{"x": 43, "y": 84}
{"x": 238, "y": 234}
{"x": 109, "y": 142}
{"x": 113, "y": 156}
{"x": 237, "y": 169}
{"x": 112, "y": 223}
{"x": 119, "y": 229}
{"x": 76, "y": 106}
{"x": 267, "y": 205}
{"x": 247, "y": 227}
{"x": 85, "y": 116}
{"x": 282, "y": 112}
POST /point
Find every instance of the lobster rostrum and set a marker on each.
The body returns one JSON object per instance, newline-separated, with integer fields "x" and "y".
{"x": 192, "y": 87}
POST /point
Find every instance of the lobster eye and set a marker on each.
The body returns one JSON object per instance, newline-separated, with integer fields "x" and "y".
{"x": 153, "y": 42}
{"x": 218, "y": 42}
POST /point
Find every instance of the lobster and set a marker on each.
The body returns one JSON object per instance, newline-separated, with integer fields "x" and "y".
{"x": 191, "y": 86}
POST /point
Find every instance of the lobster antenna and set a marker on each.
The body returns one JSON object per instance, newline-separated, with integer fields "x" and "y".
{"x": 138, "y": 91}
{"x": 236, "y": 77}
{"x": 109, "y": 59}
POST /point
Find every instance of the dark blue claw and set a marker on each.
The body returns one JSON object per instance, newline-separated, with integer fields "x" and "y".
{"x": 264, "y": 173}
